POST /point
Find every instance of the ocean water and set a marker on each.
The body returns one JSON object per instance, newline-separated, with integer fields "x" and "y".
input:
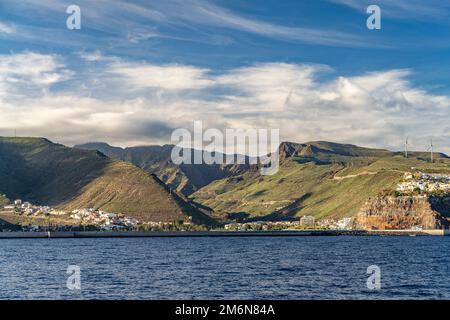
{"x": 226, "y": 268}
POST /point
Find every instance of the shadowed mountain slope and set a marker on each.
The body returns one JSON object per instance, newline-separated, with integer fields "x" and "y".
{"x": 39, "y": 171}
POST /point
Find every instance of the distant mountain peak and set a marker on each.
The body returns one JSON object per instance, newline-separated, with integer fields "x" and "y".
{"x": 313, "y": 148}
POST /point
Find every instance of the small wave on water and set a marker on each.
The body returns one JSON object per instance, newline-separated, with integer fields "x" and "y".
{"x": 227, "y": 268}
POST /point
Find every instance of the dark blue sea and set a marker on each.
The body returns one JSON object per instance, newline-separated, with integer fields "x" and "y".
{"x": 226, "y": 268}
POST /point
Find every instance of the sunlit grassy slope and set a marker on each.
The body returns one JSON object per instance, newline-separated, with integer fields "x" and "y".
{"x": 319, "y": 178}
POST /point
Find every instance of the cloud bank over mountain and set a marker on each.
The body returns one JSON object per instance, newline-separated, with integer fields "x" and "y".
{"x": 128, "y": 102}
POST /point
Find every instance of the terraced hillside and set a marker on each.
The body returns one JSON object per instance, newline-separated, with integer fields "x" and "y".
{"x": 39, "y": 171}
{"x": 322, "y": 179}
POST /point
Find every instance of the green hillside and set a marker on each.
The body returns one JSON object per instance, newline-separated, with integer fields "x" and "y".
{"x": 185, "y": 178}
{"x": 322, "y": 179}
{"x": 39, "y": 171}
{"x": 319, "y": 178}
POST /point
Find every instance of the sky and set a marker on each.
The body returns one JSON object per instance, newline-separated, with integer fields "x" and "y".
{"x": 137, "y": 70}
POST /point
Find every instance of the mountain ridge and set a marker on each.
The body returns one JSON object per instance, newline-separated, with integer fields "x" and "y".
{"x": 319, "y": 178}
{"x": 322, "y": 179}
{"x": 45, "y": 173}
{"x": 183, "y": 178}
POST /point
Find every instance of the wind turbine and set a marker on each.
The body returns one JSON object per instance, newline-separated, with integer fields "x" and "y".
{"x": 406, "y": 147}
{"x": 431, "y": 148}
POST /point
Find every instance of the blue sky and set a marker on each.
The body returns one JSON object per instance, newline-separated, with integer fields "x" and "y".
{"x": 138, "y": 69}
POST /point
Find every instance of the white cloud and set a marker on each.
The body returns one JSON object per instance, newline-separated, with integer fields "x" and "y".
{"x": 25, "y": 73}
{"x": 144, "y": 20}
{"x": 5, "y": 28}
{"x": 31, "y": 67}
{"x": 209, "y": 14}
{"x": 128, "y": 103}
{"x": 176, "y": 77}
{"x": 94, "y": 56}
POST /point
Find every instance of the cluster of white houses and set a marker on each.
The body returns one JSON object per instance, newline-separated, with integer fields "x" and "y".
{"x": 424, "y": 182}
{"x": 26, "y": 208}
{"x": 346, "y": 223}
{"x": 106, "y": 220}
{"x": 304, "y": 222}
{"x": 261, "y": 225}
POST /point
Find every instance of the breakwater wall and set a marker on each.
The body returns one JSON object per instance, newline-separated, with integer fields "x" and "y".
{"x": 155, "y": 234}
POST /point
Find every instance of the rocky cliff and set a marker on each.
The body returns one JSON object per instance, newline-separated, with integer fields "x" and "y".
{"x": 405, "y": 212}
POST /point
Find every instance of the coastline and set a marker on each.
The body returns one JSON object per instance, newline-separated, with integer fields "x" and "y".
{"x": 179, "y": 234}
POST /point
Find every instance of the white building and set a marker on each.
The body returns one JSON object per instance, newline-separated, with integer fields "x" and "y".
{"x": 307, "y": 221}
{"x": 345, "y": 224}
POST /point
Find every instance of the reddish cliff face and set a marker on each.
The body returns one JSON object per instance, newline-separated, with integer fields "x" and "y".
{"x": 404, "y": 213}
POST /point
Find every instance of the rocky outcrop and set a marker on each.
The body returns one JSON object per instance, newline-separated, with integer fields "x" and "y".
{"x": 404, "y": 212}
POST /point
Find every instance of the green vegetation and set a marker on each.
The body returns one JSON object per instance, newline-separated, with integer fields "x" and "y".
{"x": 319, "y": 178}
{"x": 185, "y": 179}
{"x": 44, "y": 173}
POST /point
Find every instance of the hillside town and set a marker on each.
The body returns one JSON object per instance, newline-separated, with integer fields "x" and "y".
{"x": 44, "y": 218}
{"x": 87, "y": 217}
{"x": 26, "y": 208}
{"x": 106, "y": 220}
{"x": 424, "y": 183}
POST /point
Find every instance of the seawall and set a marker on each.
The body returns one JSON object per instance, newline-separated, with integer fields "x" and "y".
{"x": 154, "y": 234}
